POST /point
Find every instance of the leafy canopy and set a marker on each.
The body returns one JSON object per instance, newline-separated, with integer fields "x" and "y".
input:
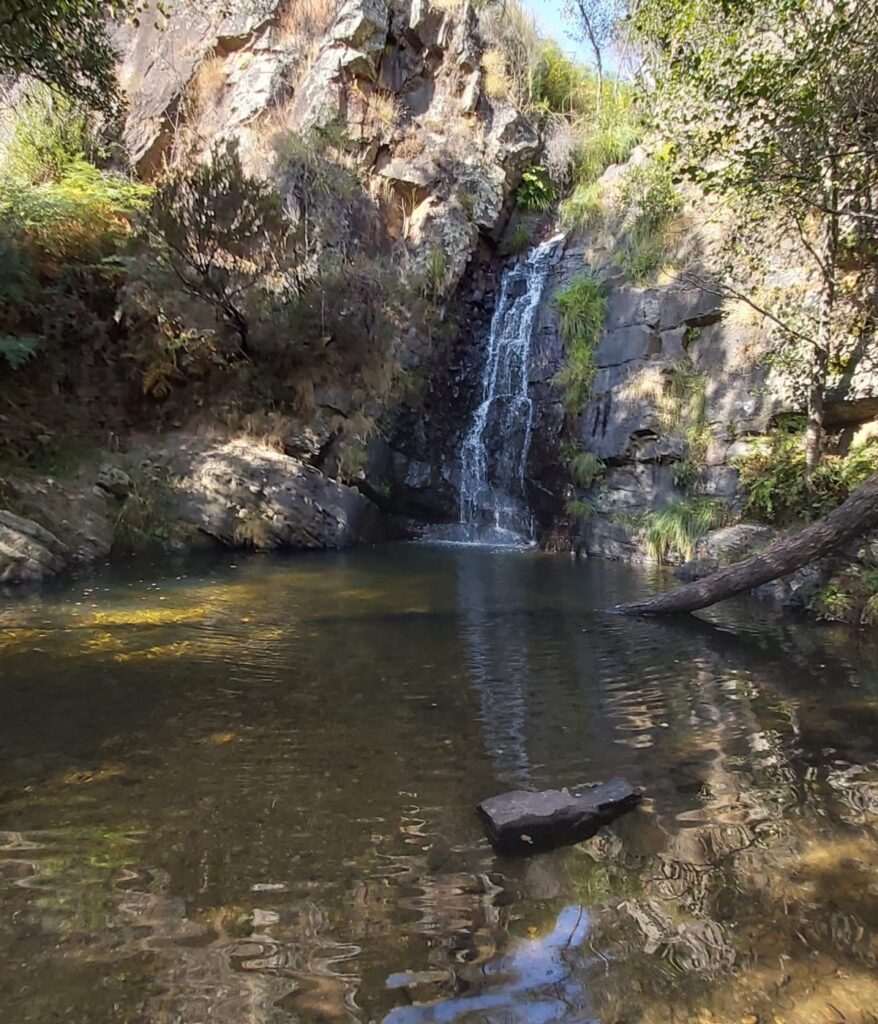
{"x": 63, "y": 44}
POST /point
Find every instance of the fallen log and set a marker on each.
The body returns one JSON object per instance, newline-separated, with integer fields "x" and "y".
{"x": 525, "y": 822}
{"x": 853, "y": 517}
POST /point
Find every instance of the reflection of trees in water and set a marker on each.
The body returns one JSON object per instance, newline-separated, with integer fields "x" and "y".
{"x": 497, "y": 651}
{"x": 743, "y": 887}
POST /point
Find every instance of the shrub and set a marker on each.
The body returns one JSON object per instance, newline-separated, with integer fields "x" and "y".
{"x": 49, "y": 134}
{"x": 774, "y": 479}
{"x": 536, "y": 191}
{"x": 832, "y": 604}
{"x": 583, "y": 308}
{"x": 679, "y": 526}
{"x": 221, "y": 232}
{"x": 517, "y": 240}
{"x": 16, "y": 351}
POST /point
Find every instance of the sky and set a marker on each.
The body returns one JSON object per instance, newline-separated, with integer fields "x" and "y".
{"x": 548, "y": 15}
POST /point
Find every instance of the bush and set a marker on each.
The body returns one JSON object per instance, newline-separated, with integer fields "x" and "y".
{"x": 221, "y": 232}
{"x": 678, "y": 527}
{"x": 536, "y": 191}
{"x": 777, "y": 488}
{"x": 49, "y": 134}
{"x": 583, "y": 308}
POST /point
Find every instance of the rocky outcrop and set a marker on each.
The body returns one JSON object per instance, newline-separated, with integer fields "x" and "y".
{"x": 399, "y": 80}
{"x": 28, "y": 552}
{"x": 171, "y": 492}
{"x": 248, "y": 495}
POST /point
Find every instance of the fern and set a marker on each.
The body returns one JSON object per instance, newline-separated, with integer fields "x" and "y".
{"x": 17, "y": 351}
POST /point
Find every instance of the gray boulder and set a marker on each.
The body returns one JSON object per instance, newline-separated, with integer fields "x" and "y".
{"x": 524, "y": 822}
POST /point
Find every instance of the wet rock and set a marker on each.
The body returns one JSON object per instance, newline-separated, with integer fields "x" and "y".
{"x": 525, "y": 822}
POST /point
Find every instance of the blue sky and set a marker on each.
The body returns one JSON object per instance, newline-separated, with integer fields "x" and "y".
{"x": 548, "y": 15}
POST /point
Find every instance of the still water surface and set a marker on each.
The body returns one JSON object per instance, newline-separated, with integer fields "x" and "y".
{"x": 245, "y": 794}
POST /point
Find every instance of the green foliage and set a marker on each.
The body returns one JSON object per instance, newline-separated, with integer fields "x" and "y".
{"x": 16, "y": 351}
{"x": 536, "y": 191}
{"x": 583, "y": 309}
{"x": 50, "y": 134}
{"x": 560, "y": 84}
{"x": 584, "y": 207}
{"x": 650, "y": 196}
{"x": 64, "y": 44}
{"x": 436, "y": 274}
{"x": 222, "y": 232}
{"x": 678, "y": 527}
{"x": 81, "y": 217}
{"x": 608, "y": 136}
{"x": 585, "y": 468}
{"x": 518, "y": 239}
{"x": 778, "y": 490}
{"x": 579, "y": 509}
{"x": 63, "y": 224}
{"x": 832, "y": 603}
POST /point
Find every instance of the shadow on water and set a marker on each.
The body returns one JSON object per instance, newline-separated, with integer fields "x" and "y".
{"x": 247, "y": 793}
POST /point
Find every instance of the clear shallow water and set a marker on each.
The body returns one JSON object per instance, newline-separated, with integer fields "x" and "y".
{"x": 247, "y": 795}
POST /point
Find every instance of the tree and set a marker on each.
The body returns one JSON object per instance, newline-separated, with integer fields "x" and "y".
{"x": 223, "y": 233}
{"x": 63, "y": 44}
{"x": 849, "y": 520}
{"x": 773, "y": 106}
{"x": 594, "y": 23}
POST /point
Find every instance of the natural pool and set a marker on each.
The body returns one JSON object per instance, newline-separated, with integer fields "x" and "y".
{"x": 244, "y": 793}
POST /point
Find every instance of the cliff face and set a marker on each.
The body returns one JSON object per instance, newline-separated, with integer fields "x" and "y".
{"x": 400, "y": 80}
{"x": 395, "y": 87}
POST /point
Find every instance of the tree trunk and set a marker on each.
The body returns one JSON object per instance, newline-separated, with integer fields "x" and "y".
{"x": 784, "y": 556}
{"x": 820, "y": 359}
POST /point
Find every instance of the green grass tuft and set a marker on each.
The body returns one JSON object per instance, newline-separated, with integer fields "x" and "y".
{"x": 583, "y": 309}
{"x": 678, "y": 527}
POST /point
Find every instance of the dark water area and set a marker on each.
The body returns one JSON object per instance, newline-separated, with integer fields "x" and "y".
{"x": 246, "y": 794}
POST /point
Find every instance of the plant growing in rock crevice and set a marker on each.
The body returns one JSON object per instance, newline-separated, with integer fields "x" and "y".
{"x": 583, "y": 309}
{"x": 679, "y": 526}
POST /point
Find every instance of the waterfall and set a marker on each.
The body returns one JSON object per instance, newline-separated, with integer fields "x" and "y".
{"x": 493, "y": 456}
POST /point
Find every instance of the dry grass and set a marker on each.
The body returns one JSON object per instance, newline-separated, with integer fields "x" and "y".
{"x": 496, "y": 78}
{"x": 208, "y": 83}
{"x": 304, "y": 22}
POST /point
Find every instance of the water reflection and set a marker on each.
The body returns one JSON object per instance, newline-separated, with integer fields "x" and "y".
{"x": 247, "y": 796}
{"x": 538, "y": 982}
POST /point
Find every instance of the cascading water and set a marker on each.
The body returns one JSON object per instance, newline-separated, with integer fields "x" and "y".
{"x": 493, "y": 456}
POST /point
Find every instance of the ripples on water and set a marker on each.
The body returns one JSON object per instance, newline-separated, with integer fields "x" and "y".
{"x": 247, "y": 794}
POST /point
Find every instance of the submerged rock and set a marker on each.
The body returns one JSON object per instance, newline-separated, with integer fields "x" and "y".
{"x": 524, "y": 822}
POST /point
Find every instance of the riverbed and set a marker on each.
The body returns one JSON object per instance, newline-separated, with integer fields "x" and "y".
{"x": 244, "y": 790}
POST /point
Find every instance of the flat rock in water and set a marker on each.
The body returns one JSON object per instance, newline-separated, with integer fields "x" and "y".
{"x": 524, "y": 822}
